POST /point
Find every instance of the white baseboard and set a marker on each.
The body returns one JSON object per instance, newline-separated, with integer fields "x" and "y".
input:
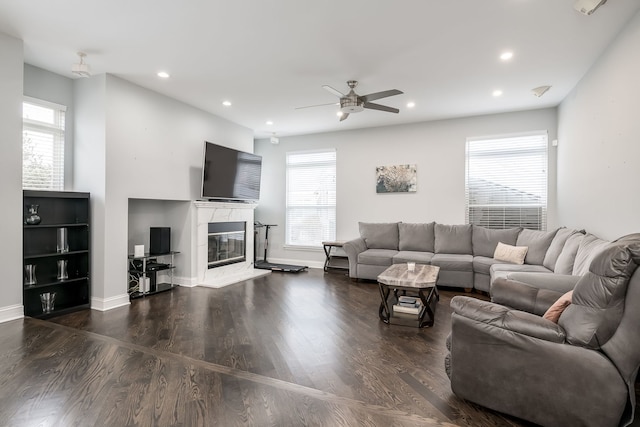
{"x": 11, "y": 312}
{"x": 104, "y": 304}
{"x": 187, "y": 282}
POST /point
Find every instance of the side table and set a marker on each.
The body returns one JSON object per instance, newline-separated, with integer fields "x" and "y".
{"x": 333, "y": 260}
{"x": 397, "y": 281}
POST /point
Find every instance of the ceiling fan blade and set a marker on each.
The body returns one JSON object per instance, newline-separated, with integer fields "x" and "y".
{"x": 344, "y": 116}
{"x": 378, "y": 95}
{"x": 334, "y": 91}
{"x": 372, "y": 106}
{"x": 317, "y": 105}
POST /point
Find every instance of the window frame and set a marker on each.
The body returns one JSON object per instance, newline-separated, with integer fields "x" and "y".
{"x": 288, "y": 242}
{"x": 541, "y": 186}
{"x": 57, "y": 130}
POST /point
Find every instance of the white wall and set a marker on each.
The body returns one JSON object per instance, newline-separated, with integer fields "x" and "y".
{"x": 438, "y": 149}
{"x": 43, "y": 84}
{"x": 599, "y": 143}
{"x": 11, "y": 214}
{"x": 148, "y": 147}
{"x": 89, "y": 168}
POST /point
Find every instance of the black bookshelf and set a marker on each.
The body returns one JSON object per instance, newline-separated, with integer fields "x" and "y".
{"x": 60, "y": 212}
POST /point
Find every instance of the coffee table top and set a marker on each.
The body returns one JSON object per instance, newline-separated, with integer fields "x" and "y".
{"x": 423, "y": 276}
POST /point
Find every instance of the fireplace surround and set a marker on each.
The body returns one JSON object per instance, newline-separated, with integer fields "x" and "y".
{"x": 229, "y": 271}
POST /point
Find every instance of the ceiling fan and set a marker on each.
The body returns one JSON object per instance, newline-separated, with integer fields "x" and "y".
{"x": 354, "y": 103}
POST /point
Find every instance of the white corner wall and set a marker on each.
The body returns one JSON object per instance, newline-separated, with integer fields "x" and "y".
{"x": 438, "y": 149}
{"x": 599, "y": 143}
{"x": 11, "y": 82}
{"x": 133, "y": 144}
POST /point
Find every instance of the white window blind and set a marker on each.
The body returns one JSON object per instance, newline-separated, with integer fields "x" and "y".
{"x": 506, "y": 181}
{"x": 42, "y": 145}
{"x": 311, "y": 197}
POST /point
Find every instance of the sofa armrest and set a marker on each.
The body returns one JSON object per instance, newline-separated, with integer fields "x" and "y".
{"x": 522, "y": 296}
{"x": 519, "y": 364}
{"x": 507, "y": 319}
{"x": 353, "y": 248}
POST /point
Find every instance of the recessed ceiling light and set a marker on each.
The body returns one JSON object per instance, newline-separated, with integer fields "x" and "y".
{"x": 269, "y": 122}
{"x": 505, "y": 56}
{"x": 226, "y": 103}
{"x": 497, "y": 93}
{"x": 411, "y": 104}
{"x": 163, "y": 74}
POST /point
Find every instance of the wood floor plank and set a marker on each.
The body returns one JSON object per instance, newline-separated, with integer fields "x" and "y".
{"x": 282, "y": 350}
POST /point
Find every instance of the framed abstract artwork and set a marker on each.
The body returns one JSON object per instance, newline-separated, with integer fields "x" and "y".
{"x": 396, "y": 179}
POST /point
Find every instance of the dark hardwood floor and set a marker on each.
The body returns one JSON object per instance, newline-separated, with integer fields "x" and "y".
{"x": 302, "y": 349}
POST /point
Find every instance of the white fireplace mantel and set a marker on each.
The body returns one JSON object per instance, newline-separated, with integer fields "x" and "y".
{"x": 208, "y": 212}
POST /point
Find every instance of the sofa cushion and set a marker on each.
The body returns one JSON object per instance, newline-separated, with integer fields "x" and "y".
{"x": 561, "y": 283}
{"x": 453, "y": 239}
{"x": 522, "y": 296}
{"x": 589, "y": 247}
{"x": 502, "y": 270}
{"x": 453, "y": 262}
{"x": 566, "y": 259}
{"x": 556, "y": 246}
{"x": 482, "y": 264}
{"x": 383, "y": 235}
{"x": 538, "y": 242}
{"x": 555, "y": 311}
{"x": 413, "y": 256}
{"x": 511, "y": 254}
{"x": 599, "y": 296}
{"x": 416, "y": 237}
{"x": 485, "y": 240}
{"x": 377, "y": 256}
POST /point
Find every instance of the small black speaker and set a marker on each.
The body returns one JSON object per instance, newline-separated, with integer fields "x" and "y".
{"x": 159, "y": 240}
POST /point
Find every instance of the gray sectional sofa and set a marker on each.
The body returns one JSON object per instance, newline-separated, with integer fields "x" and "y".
{"x": 465, "y": 253}
{"x": 579, "y": 371}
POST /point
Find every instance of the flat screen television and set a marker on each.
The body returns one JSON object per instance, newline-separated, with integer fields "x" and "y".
{"x": 229, "y": 174}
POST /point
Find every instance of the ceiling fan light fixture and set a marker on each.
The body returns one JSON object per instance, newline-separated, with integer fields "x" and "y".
{"x": 348, "y": 105}
{"x": 81, "y": 69}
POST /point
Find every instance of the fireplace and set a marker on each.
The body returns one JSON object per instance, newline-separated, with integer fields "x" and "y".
{"x": 226, "y": 243}
{"x": 207, "y": 213}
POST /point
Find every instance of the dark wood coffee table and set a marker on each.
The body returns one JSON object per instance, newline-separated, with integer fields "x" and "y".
{"x": 398, "y": 281}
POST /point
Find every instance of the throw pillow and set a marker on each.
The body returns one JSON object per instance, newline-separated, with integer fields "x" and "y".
{"x": 538, "y": 242}
{"x": 417, "y": 237}
{"x": 508, "y": 253}
{"x": 379, "y": 235}
{"x": 554, "y": 312}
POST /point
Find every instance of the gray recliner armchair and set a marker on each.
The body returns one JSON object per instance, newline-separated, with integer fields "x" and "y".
{"x": 578, "y": 372}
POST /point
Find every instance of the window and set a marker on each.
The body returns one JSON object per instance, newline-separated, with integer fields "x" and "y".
{"x": 42, "y": 145}
{"x": 311, "y": 197}
{"x": 506, "y": 181}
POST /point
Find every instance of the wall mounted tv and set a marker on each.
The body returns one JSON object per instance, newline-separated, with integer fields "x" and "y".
{"x": 229, "y": 174}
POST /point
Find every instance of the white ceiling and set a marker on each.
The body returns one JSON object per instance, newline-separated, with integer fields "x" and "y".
{"x": 270, "y": 56}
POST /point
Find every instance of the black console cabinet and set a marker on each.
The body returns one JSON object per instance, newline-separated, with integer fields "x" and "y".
{"x": 61, "y": 213}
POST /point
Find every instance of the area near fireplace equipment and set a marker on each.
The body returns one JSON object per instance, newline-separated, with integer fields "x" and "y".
{"x": 226, "y": 243}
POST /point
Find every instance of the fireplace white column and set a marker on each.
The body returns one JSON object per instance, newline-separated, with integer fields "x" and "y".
{"x": 209, "y": 212}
